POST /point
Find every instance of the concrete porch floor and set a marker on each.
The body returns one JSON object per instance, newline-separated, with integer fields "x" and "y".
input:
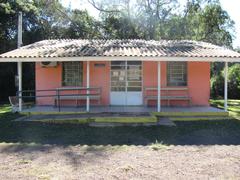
{"x": 129, "y": 109}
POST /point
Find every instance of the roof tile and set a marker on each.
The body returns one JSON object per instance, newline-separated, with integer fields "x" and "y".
{"x": 126, "y": 48}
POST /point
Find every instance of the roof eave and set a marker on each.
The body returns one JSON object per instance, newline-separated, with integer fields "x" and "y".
{"x": 121, "y": 58}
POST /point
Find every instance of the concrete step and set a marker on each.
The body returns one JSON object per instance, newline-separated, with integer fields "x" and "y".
{"x": 116, "y": 124}
{"x": 191, "y": 114}
{"x": 199, "y": 118}
{"x": 165, "y": 121}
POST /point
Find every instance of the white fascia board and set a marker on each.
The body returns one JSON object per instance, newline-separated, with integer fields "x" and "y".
{"x": 121, "y": 58}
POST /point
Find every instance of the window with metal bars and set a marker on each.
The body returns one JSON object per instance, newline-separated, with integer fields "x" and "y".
{"x": 177, "y": 73}
{"x": 72, "y": 73}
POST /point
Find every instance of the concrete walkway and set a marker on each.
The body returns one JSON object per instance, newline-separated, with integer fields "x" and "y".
{"x": 117, "y": 109}
{"x": 165, "y": 121}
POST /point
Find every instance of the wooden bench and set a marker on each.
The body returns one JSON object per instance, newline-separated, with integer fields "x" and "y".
{"x": 150, "y": 93}
{"x": 94, "y": 93}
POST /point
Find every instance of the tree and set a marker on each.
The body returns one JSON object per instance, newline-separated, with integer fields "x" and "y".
{"x": 8, "y": 21}
{"x": 216, "y": 26}
{"x": 82, "y": 25}
{"x": 217, "y": 83}
{"x": 8, "y": 31}
{"x": 152, "y": 16}
{"x": 234, "y": 81}
{"x": 217, "y": 86}
{"x": 115, "y": 27}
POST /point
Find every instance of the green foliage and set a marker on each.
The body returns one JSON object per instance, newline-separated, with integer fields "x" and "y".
{"x": 215, "y": 20}
{"x": 217, "y": 83}
{"x": 6, "y": 115}
{"x": 119, "y": 27}
{"x": 234, "y": 81}
{"x": 233, "y": 106}
{"x": 208, "y": 23}
{"x": 217, "y": 86}
{"x": 82, "y": 25}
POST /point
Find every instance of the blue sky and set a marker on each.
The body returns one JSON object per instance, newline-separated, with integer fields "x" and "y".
{"x": 231, "y": 6}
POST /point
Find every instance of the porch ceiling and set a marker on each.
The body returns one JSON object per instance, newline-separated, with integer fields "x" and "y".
{"x": 109, "y": 50}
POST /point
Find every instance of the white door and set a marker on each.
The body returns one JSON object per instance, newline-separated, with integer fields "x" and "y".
{"x": 126, "y": 83}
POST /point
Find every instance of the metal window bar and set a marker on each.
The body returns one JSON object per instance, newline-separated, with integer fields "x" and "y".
{"x": 176, "y": 73}
{"x": 72, "y": 73}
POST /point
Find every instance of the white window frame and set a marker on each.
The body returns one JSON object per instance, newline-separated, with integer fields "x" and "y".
{"x": 177, "y": 73}
{"x": 72, "y": 73}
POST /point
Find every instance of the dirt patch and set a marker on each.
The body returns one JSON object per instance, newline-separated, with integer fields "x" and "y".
{"x": 119, "y": 162}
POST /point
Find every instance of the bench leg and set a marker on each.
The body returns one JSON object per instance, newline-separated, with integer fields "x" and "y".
{"x": 146, "y": 103}
{"x": 190, "y": 102}
{"x": 54, "y": 102}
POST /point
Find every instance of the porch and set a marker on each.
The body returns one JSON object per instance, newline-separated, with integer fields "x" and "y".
{"x": 119, "y": 86}
{"x": 122, "y": 109}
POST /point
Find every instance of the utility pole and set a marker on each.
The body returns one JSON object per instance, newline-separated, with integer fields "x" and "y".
{"x": 19, "y": 64}
{"x": 19, "y": 42}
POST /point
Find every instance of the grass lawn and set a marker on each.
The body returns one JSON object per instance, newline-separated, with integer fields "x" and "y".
{"x": 192, "y": 149}
{"x": 6, "y": 115}
{"x": 233, "y": 106}
{"x": 186, "y": 132}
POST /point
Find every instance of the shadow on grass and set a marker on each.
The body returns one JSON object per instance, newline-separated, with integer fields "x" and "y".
{"x": 223, "y": 132}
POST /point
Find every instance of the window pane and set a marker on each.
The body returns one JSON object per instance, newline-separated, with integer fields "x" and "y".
{"x": 122, "y": 63}
{"x": 135, "y": 83}
{"x": 134, "y": 63}
{"x": 134, "y": 89}
{"x": 72, "y": 73}
{"x": 177, "y": 73}
{"x": 118, "y": 88}
{"x": 118, "y": 83}
{"x": 117, "y": 67}
{"x": 134, "y": 76}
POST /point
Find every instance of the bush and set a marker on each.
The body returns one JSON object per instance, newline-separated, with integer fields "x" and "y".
{"x": 217, "y": 86}
{"x": 234, "y": 82}
{"x": 217, "y": 83}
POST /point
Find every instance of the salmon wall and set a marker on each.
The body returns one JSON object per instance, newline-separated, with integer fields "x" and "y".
{"x": 198, "y": 81}
{"x": 47, "y": 78}
{"x": 51, "y": 78}
{"x": 100, "y": 77}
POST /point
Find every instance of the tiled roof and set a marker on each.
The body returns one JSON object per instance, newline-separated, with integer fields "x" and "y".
{"x": 120, "y": 48}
